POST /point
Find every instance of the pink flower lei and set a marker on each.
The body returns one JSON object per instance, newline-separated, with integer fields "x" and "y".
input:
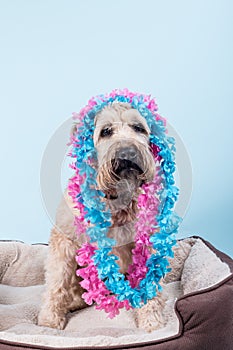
{"x": 156, "y": 221}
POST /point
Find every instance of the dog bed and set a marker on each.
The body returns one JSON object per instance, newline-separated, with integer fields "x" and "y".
{"x": 199, "y": 307}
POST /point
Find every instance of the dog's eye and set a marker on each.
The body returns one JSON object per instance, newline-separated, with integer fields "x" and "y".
{"x": 139, "y": 128}
{"x": 106, "y": 132}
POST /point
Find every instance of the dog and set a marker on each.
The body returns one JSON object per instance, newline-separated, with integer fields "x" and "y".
{"x": 124, "y": 163}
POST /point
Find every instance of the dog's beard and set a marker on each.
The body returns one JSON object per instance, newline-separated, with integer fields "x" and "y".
{"x": 121, "y": 175}
{"x": 126, "y": 179}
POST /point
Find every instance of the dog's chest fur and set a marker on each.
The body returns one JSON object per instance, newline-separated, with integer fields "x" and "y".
{"x": 122, "y": 233}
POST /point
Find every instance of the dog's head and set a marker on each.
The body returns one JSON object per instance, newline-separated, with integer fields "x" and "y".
{"x": 125, "y": 161}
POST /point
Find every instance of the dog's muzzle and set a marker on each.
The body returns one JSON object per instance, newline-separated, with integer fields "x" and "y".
{"x": 125, "y": 167}
{"x": 127, "y": 161}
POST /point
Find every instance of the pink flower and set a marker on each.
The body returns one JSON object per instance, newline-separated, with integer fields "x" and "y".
{"x": 159, "y": 117}
{"x": 152, "y": 105}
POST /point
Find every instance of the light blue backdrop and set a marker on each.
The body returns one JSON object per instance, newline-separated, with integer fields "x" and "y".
{"x": 57, "y": 54}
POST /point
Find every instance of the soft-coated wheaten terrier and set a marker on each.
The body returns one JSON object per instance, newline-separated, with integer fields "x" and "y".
{"x": 125, "y": 162}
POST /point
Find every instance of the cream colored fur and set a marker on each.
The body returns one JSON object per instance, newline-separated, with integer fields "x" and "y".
{"x": 63, "y": 292}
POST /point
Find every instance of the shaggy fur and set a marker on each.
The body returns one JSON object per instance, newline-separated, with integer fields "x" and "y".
{"x": 124, "y": 163}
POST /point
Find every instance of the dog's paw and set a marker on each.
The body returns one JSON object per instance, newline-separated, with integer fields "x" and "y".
{"x": 151, "y": 323}
{"x": 150, "y": 316}
{"x": 50, "y": 319}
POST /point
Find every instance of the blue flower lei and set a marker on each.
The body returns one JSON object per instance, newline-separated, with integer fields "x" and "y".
{"x": 95, "y": 213}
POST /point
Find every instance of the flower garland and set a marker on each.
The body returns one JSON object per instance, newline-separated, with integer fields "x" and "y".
{"x": 156, "y": 222}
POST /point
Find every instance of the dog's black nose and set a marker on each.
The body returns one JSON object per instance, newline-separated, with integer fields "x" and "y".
{"x": 128, "y": 153}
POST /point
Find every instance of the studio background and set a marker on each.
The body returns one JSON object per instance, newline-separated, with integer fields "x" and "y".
{"x": 55, "y": 55}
